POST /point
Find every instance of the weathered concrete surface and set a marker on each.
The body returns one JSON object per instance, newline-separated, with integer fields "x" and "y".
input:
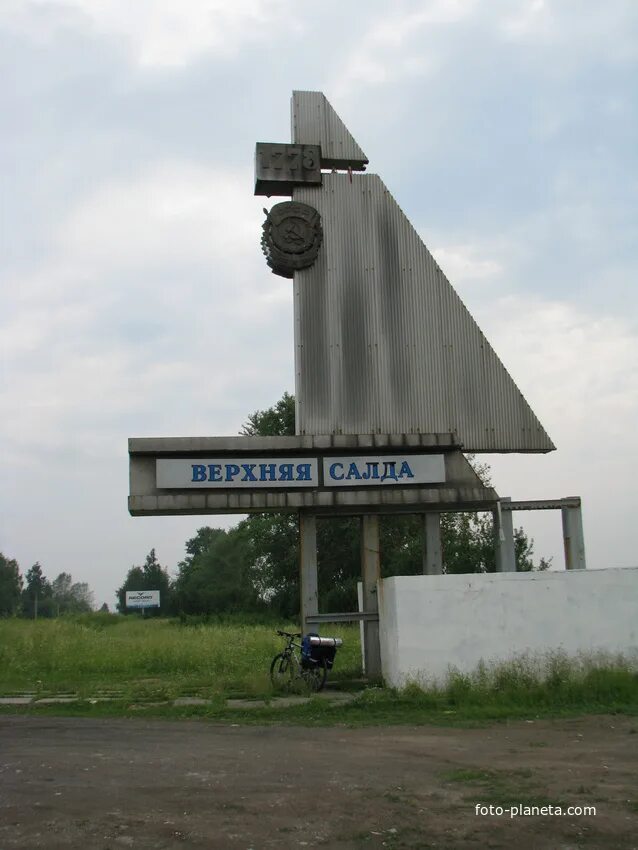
{"x": 83, "y": 784}
{"x": 175, "y": 446}
{"x": 276, "y": 702}
{"x": 462, "y": 489}
{"x": 431, "y": 623}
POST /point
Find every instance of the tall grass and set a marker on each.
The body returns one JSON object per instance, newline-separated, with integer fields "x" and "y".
{"x": 147, "y": 656}
{"x": 159, "y": 659}
{"x": 532, "y": 682}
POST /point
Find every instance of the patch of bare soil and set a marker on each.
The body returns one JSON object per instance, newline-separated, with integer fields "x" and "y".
{"x": 110, "y": 784}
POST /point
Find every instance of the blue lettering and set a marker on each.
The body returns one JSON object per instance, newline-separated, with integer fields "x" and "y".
{"x": 214, "y": 472}
{"x": 267, "y": 472}
{"x": 333, "y": 471}
{"x": 248, "y": 471}
{"x": 286, "y": 471}
{"x": 199, "y": 472}
{"x": 353, "y": 472}
{"x": 405, "y": 471}
{"x": 389, "y": 470}
{"x": 303, "y": 472}
{"x": 372, "y": 470}
{"x": 231, "y": 471}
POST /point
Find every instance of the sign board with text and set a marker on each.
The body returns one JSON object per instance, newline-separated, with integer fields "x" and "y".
{"x": 381, "y": 470}
{"x": 259, "y": 473}
{"x": 142, "y": 599}
{"x": 245, "y": 472}
{"x": 339, "y": 474}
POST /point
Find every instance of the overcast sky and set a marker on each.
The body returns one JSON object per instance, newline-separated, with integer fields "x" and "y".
{"x": 135, "y": 300}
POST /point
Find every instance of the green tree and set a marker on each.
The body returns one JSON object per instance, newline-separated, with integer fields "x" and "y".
{"x": 36, "y": 596}
{"x": 276, "y": 421}
{"x": 69, "y": 597}
{"x": 151, "y": 576}
{"x": 10, "y": 586}
{"x": 217, "y": 574}
{"x": 61, "y": 593}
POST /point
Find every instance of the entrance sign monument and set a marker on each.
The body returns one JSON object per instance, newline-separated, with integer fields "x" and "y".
{"x": 394, "y": 380}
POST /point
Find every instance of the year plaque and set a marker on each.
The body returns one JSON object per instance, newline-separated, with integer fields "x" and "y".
{"x": 279, "y": 168}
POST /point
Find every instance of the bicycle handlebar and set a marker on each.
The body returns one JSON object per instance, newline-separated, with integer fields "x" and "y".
{"x": 288, "y": 634}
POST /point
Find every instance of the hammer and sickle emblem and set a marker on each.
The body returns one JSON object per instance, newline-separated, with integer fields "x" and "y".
{"x": 293, "y": 232}
{"x": 291, "y": 237}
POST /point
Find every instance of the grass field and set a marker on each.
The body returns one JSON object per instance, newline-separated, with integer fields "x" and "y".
{"x": 149, "y": 657}
{"x": 145, "y": 662}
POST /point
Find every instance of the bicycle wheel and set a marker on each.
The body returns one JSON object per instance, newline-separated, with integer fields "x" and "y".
{"x": 315, "y": 676}
{"x": 281, "y": 672}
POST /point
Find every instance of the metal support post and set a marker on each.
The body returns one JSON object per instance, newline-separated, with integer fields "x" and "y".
{"x": 432, "y": 553}
{"x": 504, "y": 539}
{"x": 573, "y": 538}
{"x": 371, "y": 573}
{"x": 308, "y": 569}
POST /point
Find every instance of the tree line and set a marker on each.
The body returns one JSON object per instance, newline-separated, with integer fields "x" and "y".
{"x": 35, "y": 596}
{"x": 253, "y": 567}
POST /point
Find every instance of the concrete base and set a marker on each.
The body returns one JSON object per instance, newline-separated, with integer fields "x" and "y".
{"x": 430, "y": 624}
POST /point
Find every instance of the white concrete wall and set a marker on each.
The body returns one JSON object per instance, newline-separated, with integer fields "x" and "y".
{"x": 431, "y": 623}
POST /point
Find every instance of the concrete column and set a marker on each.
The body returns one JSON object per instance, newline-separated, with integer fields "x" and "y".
{"x": 573, "y": 538}
{"x": 370, "y": 574}
{"x": 504, "y": 540}
{"x": 308, "y": 569}
{"x": 432, "y": 553}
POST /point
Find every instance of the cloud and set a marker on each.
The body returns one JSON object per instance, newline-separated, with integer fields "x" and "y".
{"x": 151, "y": 284}
{"x": 159, "y": 33}
{"x": 571, "y": 29}
{"x": 578, "y": 369}
{"x": 462, "y": 263}
{"x": 579, "y": 372}
{"x": 168, "y": 211}
{"x": 389, "y": 49}
{"x": 435, "y": 37}
{"x": 529, "y": 18}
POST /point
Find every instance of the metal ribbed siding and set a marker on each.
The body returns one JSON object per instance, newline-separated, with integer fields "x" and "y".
{"x": 314, "y": 122}
{"x": 383, "y": 342}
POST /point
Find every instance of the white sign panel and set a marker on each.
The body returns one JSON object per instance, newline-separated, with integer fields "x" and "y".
{"x": 142, "y": 598}
{"x": 382, "y": 470}
{"x": 231, "y": 473}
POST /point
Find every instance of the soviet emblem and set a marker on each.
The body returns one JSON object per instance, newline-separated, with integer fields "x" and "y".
{"x": 291, "y": 238}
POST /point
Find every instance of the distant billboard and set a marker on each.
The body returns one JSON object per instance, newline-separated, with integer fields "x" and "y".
{"x": 142, "y": 599}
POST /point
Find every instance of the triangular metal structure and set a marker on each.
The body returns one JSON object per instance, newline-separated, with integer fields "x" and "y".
{"x": 314, "y": 122}
{"x": 383, "y": 342}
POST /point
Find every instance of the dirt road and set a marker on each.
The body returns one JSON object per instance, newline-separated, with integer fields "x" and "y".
{"x": 110, "y": 784}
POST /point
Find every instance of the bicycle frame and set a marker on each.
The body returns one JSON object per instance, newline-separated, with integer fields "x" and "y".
{"x": 289, "y": 650}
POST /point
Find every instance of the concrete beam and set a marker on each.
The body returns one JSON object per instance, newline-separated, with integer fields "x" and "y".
{"x": 309, "y": 584}
{"x": 432, "y": 550}
{"x": 541, "y": 504}
{"x": 371, "y": 573}
{"x": 504, "y": 540}
{"x": 175, "y": 446}
{"x": 573, "y": 538}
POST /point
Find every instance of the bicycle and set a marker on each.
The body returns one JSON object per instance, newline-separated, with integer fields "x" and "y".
{"x": 289, "y": 669}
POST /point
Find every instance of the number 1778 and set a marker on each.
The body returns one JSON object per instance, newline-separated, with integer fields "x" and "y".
{"x": 288, "y": 158}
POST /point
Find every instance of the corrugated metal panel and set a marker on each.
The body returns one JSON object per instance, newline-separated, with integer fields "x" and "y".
{"x": 314, "y": 122}
{"x": 383, "y": 342}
